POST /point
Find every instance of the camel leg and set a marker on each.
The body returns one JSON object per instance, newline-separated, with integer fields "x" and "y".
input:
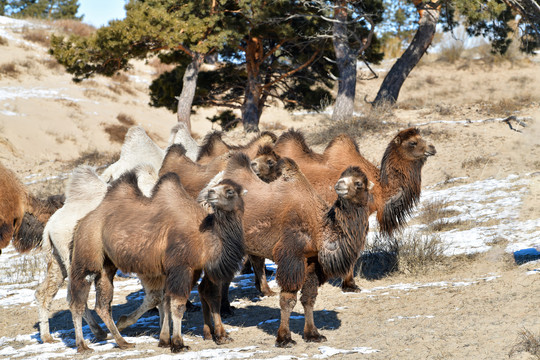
{"x": 226, "y": 309}
{"x": 348, "y": 284}
{"x": 152, "y": 298}
{"x": 178, "y": 307}
{"x": 98, "y": 332}
{"x": 79, "y": 289}
{"x": 211, "y": 299}
{"x": 165, "y": 319}
{"x": 45, "y": 293}
{"x": 104, "y": 296}
{"x": 287, "y": 301}
{"x": 190, "y": 307}
{"x": 260, "y": 276}
{"x": 309, "y": 295}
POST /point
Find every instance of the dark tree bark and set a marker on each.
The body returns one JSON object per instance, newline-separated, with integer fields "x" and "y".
{"x": 189, "y": 85}
{"x": 429, "y": 16}
{"x": 346, "y": 64}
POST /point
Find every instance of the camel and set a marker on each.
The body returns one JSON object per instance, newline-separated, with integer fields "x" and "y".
{"x": 22, "y": 215}
{"x": 139, "y": 148}
{"x": 84, "y": 191}
{"x": 264, "y": 164}
{"x": 397, "y": 184}
{"x": 309, "y": 240}
{"x": 194, "y": 176}
{"x": 213, "y": 145}
{"x": 164, "y": 239}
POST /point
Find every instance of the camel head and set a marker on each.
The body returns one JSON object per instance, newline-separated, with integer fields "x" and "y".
{"x": 227, "y": 195}
{"x": 354, "y": 186}
{"x": 265, "y": 163}
{"x": 410, "y": 145}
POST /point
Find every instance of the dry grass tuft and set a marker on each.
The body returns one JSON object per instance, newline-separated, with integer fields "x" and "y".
{"x": 37, "y": 36}
{"x": 3, "y": 41}
{"x": 406, "y": 253}
{"x": 527, "y": 342}
{"x": 125, "y": 119}
{"x": 432, "y": 211}
{"x": 9, "y": 70}
{"x": 52, "y": 64}
{"x": 374, "y": 119}
{"x": 74, "y": 27}
{"x": 121, "y": 84}
{"x": 117, "y": 133}
{"x": 477, "y": 162}
{"x": 93, "y": 158}
{"x": 452, "y": 52}
{"x": 412, "y": 103}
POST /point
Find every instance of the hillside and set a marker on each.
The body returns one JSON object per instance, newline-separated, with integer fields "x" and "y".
{"x": 480, "y": 204}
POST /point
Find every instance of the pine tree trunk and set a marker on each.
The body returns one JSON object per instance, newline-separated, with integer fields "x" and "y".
{"x": 189, "y": 85}
{"x": 429, "y": 16}
{"x": 346, "y": 63}
{"x": 250, "y": 108}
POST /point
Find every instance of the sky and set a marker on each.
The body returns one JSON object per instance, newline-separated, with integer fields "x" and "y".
{"x": 99, "y": 12}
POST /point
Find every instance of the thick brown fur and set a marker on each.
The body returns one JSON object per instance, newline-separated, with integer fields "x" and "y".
{"x": 265, "y": 164}
{"x": 213, "y": 145}
{"x": 165, "y": 240}
{"x": 22, "y": 216}
{"x": 193, "y": 176}
{"x": 396, "y": 185}
{"x": 310, "y": 241}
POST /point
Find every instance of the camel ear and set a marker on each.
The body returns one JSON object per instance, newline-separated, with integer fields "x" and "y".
{"x": 244, "y": 192}
{"x": 370, "y": 185}
{"x": 397, "y": 140}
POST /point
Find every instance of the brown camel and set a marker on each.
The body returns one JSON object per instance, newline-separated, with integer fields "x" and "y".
{"x": 22, "y": 216}
{"x": 309, "y": 240}
{"x": 193, "y": 176}
{"x": 264, "y": 164}
{"x": 213, "y": 145}
{"x": 397, "y": 184}
{"x": 164, "y": 239}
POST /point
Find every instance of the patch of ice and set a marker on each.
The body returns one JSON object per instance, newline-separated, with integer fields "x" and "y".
{"x": 327, "y": 351}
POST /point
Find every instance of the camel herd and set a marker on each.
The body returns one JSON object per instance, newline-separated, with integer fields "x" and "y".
{"x": 170, "y": 216}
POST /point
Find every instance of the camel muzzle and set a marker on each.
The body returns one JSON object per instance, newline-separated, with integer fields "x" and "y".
{"x": 430, "y": 151}
{"x": 341, "y": 188}
{"x": 212, "y": 197}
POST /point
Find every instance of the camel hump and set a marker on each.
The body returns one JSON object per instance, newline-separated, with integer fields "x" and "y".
{"x": 171, "y": 178}
{"x": 209, "y": 143}
{"x": 238, "y": 160}
{"x": 265, "y": 150}
{"x": 84, "y": 184}
{"x": 269, "y": 134}
{"x": 342, "y": 142}
{"x": 296, "y": 137}
{"x": 176, "y": 150}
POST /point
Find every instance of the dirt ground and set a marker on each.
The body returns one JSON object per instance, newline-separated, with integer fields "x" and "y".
{"x": 470, "y": 307}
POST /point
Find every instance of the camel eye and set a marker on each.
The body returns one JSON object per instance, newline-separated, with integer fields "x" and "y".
{"x": 270, "y": 162}
{"x": 230, "y": 193}
{"x": 413, "y": 143}
{"x": 358, "y": 184}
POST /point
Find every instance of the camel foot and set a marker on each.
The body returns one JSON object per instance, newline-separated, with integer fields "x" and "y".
{"x": 192, "y": 308}
{"x": 47, "y": 338}
{"x": 102, "y": 335}
{"x": 84, "y": 349}
{"x": 268, "y": 292}
{"x": 164, "y": 343}
{"x": 348, "y": 288}
{"x": 221, "y": 340}
{"x": 125, "y": 345}
{"x": 176, "y": 348}
{"x": 285, "y": 342}
{"x": 314, "y": 338}
{"x": 227, "y": 311}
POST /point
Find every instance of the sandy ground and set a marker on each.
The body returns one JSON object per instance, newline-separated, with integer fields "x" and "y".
{"x": 469, "y": 307}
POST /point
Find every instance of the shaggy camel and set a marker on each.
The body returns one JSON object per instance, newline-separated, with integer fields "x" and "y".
{"x": 264, "y": 164}
{"x": 84, "y": 191}
{"x": 213, "y": 145}
{"x": 138, "y": 148}
{"x": 164, "y": 240}
{"x": 22, "y": 216}
{"x": 309, "y": 240}
{"x": 397, "y": 184}
{"x": 194, "y": 176}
